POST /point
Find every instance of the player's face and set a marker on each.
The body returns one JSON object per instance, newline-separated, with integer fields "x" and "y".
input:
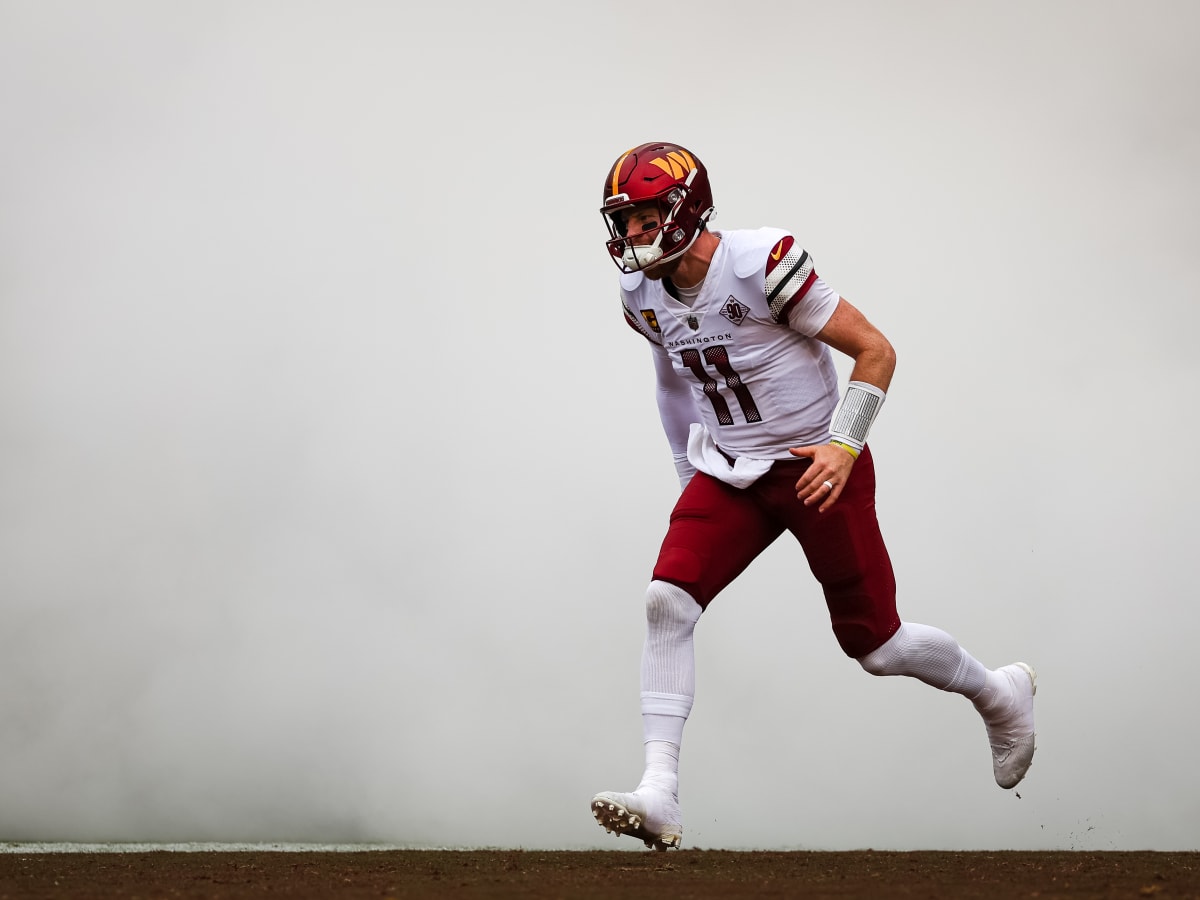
{"x": 640, "y": 227}
{"x": 642, "y": 224}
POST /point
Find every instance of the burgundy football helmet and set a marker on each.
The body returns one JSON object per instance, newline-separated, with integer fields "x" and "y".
{"x": 672, "y": 181}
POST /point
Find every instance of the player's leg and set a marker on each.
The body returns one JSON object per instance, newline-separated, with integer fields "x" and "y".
{"x": 651, "y": 811}
{"x": 847, "y": 554}
{"x": 715, "y": 532}
{"x": 668, "y": 680}
{"x": 1003, "y": 697}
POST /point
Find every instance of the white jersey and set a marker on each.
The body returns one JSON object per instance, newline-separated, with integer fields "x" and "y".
{"x": 760, "y": 381}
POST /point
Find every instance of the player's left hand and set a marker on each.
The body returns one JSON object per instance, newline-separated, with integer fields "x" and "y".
{"x": 822, "y": 482}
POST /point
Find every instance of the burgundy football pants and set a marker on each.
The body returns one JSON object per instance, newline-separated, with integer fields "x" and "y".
{"x": 716, "y": 531}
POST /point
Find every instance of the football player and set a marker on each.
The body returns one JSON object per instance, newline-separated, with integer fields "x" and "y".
{"x": 741, "y": 331}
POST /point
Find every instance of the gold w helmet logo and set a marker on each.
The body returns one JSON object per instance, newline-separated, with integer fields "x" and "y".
{"x": 677, "y": 163}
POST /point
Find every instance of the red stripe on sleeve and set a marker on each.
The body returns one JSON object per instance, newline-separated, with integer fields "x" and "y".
{"x": 798, "y": 296}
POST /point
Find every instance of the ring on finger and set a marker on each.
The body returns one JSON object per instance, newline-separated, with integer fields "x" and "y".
{"x": 828, "y": 484}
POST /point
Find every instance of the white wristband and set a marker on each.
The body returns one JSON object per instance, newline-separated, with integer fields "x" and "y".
{"x": 858, "y": 409}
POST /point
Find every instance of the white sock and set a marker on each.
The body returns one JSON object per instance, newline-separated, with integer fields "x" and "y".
{"x": 668, "y": 680}
{"x": 929, "y": 655}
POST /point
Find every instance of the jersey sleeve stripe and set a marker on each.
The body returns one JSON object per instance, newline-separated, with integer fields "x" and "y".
{"x": 786, "y": 285}
{"x": 785, "y": 307}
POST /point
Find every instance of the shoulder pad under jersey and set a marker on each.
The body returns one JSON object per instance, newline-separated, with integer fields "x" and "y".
{"x": 751, "y": 248}
{"x": 631, "y": 280}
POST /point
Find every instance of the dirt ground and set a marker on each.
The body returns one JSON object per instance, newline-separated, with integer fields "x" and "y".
{"x": 532, "y": 874}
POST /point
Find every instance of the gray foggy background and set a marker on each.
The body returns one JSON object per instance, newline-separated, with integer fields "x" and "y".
{"x": 330, "y": 476}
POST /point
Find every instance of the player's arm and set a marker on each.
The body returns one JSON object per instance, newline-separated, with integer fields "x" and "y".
{"x": 673, "y": 395}
{"x": 676, "y": 409}
{"x": 848, "y": 332}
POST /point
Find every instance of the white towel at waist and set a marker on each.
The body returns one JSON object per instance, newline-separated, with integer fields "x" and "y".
{"x": 703, "y": 454}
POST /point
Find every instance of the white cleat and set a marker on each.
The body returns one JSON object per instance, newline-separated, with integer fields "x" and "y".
{"x": 651, "y": 816}
{"x": 1010, "y": 727}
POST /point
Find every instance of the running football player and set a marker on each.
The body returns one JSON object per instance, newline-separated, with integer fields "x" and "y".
{"x": 741, "y": 331}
